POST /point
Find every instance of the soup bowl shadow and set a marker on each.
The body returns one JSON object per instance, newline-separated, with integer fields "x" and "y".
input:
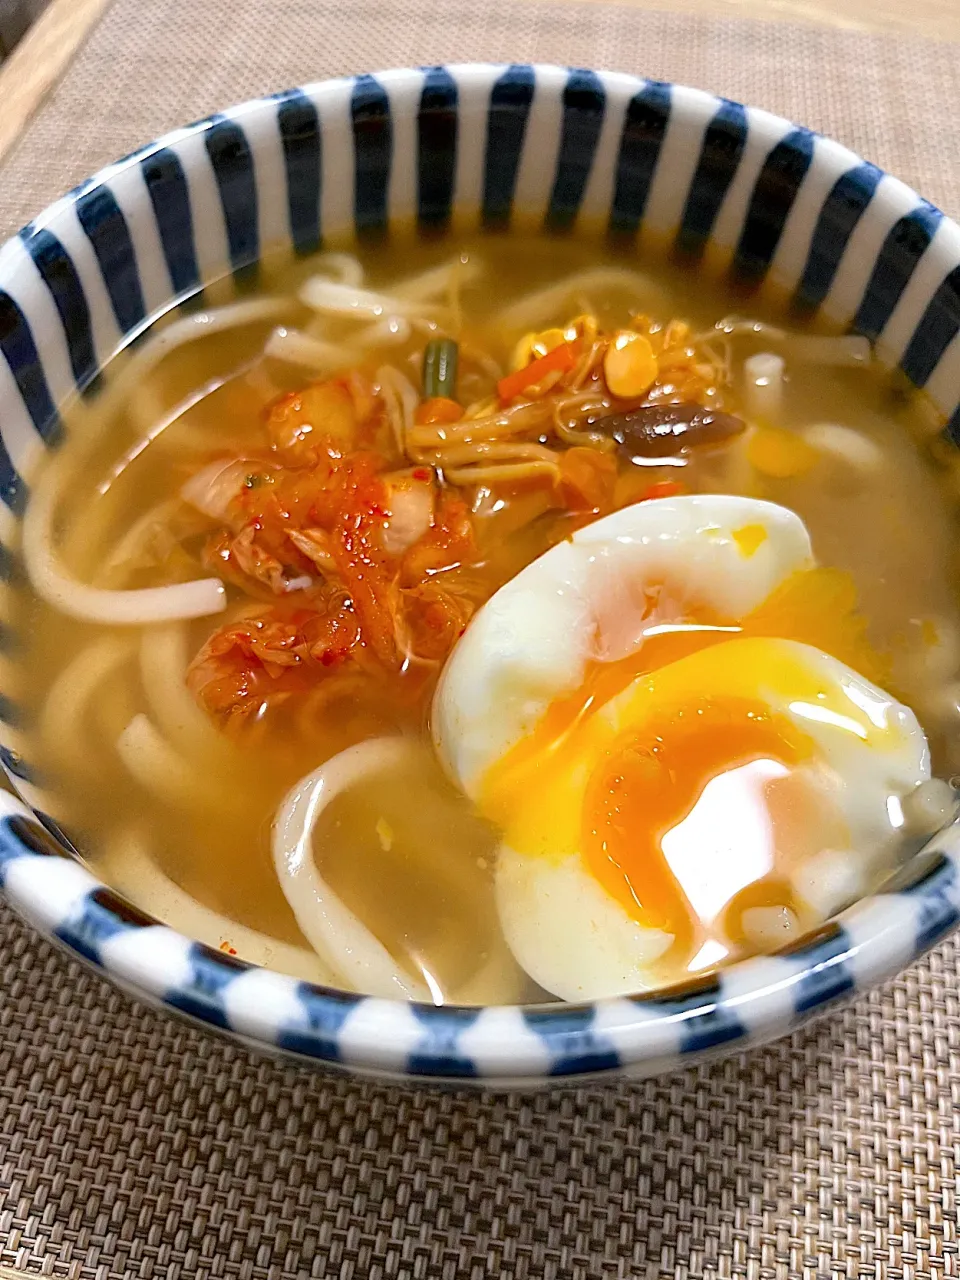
{"x": 772, "y": 206}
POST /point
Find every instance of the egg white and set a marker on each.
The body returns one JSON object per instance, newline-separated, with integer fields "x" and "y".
{"x": 586, "y": 599}
{"x": 577, "y": 941}
{"x": 589, "y": 599}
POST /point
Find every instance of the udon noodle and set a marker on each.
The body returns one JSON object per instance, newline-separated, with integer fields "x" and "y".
{"x": 252, "y": 560}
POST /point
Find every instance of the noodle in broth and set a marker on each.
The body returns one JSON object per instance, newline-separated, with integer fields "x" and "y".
{"x": 261, "y": 543}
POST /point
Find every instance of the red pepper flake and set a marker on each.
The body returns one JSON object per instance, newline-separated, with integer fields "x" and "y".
{"x": 330, "y": 657}
{"x": 665, "y": 489}
{"x": 421, "y": 473}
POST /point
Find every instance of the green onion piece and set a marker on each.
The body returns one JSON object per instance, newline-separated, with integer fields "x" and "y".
{"x": 440, "y": 369}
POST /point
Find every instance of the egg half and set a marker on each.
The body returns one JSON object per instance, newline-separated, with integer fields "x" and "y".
{"x": 649, "y": 714}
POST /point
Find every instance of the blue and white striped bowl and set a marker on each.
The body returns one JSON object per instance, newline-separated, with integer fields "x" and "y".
{"x": 777, "y": 206}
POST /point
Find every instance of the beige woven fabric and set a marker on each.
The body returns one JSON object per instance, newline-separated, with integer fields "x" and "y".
{"x": 132, "y": 1146}
{"x": 154, "y": 64}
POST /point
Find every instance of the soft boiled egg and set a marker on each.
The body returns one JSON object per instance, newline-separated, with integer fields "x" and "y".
{"x": 679, "y": 770}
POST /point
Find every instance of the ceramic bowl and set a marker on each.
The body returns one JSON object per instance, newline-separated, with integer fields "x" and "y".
{"x": 775, "y": 205}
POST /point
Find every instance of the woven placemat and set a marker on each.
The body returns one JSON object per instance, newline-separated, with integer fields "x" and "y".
{"x": 133, "y": 1146}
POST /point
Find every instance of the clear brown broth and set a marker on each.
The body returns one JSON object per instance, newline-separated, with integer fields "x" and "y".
{"x": 893, "y": 530}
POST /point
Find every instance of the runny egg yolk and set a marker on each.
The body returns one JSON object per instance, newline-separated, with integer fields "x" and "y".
{"x": 703, "y": 804}
{"x": 633, "y": 836}
{"x": 750, "y": 538}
